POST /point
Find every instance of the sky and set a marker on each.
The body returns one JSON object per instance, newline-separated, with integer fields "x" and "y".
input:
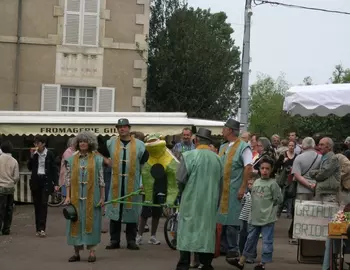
{"x": 289, "y": 41}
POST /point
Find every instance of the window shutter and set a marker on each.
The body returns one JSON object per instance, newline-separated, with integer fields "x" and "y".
{"x": 91, "y": 22}
{"x": 50, "y": 97}
{"x": 72, "y": 22}
{"x": 105, "y": 99}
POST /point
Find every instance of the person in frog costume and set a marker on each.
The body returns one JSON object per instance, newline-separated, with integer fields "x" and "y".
{"x": 159, "y": 183}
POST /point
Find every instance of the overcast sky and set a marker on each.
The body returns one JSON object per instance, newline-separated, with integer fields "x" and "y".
{"x": 295, "y": 42}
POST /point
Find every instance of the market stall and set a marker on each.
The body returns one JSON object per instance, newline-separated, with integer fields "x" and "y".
{"x": 20, "y": 127}
{"x": 312, "y": 219}
{"x": 320, "y": 100}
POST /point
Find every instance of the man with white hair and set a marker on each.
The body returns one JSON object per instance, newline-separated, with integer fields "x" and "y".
{"x": 328, "y": 174}
{"x": 275, "y": 141}
{"x": 308, "y": 160}
{"x": 328, "y": 182}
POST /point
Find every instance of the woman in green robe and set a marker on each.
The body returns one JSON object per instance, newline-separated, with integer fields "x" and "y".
{"x": 85, "y": 189}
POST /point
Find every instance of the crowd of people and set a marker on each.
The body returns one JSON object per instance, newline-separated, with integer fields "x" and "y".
{"x": 243, "y": 185}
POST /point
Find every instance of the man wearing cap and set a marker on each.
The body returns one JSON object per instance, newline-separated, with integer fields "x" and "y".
{"x": 237, "y": 157}
{"x": 127, "y": 156}
{"x": 199, "y": 178}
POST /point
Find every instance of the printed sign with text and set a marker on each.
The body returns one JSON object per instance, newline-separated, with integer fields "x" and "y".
{"x": 311, "y": 219}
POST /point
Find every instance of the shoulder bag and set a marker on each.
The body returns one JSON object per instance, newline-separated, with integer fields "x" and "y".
{"x": 292, "y": 188}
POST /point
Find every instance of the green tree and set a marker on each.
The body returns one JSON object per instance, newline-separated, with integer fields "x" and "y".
{"x": 266, "y": 106}
{"x": 193, "y": 63}
{"x": 341, "y": 75}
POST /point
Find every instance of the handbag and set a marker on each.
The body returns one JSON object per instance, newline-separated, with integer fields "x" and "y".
{"x": 281, "y": 178}
{"x": 291, "y": 191}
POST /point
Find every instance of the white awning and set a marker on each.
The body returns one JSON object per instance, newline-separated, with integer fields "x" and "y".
{"x": 71, "y": 123}
{"x": 321, "y": 100}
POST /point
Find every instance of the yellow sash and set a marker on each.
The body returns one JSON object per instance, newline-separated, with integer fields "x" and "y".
{"x": 116, "y": 170}
{"x": 203, "y": 146}
{"x": 224, "y": 204}
{"x": 75, "y": 196}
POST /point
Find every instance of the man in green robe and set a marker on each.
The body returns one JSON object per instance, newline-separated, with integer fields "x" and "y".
{"x": 237, "y": 158}
{"x": 128, "y": 155}
{"x": 199, "y": 178}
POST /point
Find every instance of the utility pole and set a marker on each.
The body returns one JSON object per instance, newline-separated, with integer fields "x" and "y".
{"x": 244, "y": 99}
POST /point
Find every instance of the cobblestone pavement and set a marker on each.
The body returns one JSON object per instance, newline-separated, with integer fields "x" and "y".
{"x": 23, "y": 251}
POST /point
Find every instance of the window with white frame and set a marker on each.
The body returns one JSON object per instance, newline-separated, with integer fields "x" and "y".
{"x": 75, "y": 99}
{"x": 56, "y": 97}
{"x": 81, "y": 22}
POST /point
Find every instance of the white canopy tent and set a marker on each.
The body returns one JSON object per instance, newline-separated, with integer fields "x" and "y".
{"x": 320, "y": 100}
{"x": 71, "y": 123}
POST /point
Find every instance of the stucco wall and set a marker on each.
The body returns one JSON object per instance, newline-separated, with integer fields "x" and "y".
{"x": 121, "y": 77}
{"x": 37, "y": 67}
{"x": 122, "y": 25}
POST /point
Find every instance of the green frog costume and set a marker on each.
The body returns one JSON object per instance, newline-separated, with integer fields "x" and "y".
{"x": 159, "y": 154}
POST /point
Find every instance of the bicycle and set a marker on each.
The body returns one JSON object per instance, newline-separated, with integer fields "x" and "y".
{"x": 170, "y": 227}
{"x": 168, "y": 211}
{"x": 57, "y": 198}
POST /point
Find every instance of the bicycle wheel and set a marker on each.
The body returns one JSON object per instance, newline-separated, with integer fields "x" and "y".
{"x": 56, "y": 198}
{"x": 170, "y": 230}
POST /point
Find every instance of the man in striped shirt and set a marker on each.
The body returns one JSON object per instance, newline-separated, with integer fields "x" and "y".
{"x": 244, "y": 218}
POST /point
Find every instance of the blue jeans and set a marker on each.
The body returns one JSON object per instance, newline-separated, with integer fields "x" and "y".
{"x": 107, "y": 175}
{"x": 229, "y": 238}
{"x": 326, "y": 257}
{"x": 243, "y": 235}
{"x": 267, "y": 232}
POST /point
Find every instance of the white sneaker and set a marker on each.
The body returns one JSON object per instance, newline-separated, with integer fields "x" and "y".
{"x": 138, "y": 240}
{"x": 153, "y": 241}
{"x": 42, "y": 234}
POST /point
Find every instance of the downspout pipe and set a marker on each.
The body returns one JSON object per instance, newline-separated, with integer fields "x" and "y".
{"x": 18, "y": 47}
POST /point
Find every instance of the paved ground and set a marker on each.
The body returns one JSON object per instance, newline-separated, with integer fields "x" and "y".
{"x": 23, "y": 251}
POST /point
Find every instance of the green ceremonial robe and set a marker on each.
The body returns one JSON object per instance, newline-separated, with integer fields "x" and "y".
{"x": 200, "y": 177}
{"x": 235, "y": 182}
{"x": 83, "y": 238}
{"x": 130, "y": 215}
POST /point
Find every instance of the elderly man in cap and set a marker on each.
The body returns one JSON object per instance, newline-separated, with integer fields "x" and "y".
{"x": 127, "y": 156}
{"x": 199, "y": 178}
{"x": 237, "y": 158}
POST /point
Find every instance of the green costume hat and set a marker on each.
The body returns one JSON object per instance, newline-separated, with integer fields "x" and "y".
{"x": 123, "y": 122}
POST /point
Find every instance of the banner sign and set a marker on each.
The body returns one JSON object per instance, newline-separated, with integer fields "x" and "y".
{"x": 74, "y": 129}
{"x": 311, "y": 219}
